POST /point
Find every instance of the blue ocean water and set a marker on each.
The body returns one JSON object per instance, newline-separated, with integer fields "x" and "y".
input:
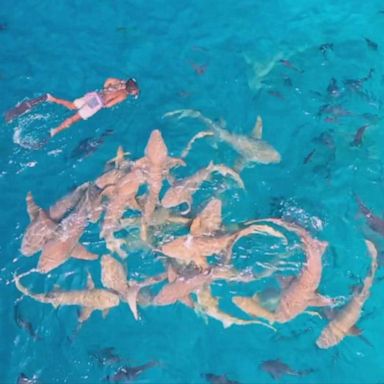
{"x": 221, "y": 58}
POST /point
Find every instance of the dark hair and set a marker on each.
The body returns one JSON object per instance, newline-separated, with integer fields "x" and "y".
{"x": 132, "y": 86}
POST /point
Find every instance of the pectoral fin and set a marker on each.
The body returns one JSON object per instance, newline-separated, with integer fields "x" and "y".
{"x": 209, "y": 220}
{"x": 105, "y": 313}
{"x": 133, "y": 204}
{"x": 320, "y": 301}
{"x": 187, "y": 300}
{"x": 355, "y": 331}
{"x": 131, "y": 299}
{"x": 85, "y": 314}
{"x": 252, "y": 306}
{"x": 171, "y": 273}
{"x": 32, "y": 208}
{"x": 80, "y": 252}
{"x": 240, "y": 164}
{"x": 175, "y": 162}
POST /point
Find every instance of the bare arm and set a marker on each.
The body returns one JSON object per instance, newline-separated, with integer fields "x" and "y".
{"x": 111, "y": 81}
{"x": 118, "y": 99}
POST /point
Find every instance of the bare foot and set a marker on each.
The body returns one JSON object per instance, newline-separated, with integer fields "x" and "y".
{"x": 50, "y": 98}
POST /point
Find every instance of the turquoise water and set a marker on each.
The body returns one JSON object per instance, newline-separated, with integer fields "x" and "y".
{"x": 69, "y": 47}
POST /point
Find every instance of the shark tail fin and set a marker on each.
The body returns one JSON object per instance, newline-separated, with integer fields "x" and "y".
{"x": 188, "y": 147}
{"x": 131, "y": 299}
{"x": 25, "y": 291}
{"x": 226, "y": 171}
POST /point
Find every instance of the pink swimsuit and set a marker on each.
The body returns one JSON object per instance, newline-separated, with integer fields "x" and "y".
{"x": 89, "y": 104}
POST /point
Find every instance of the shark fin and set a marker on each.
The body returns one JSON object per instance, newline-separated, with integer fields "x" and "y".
{"x": 32, "y": 208}
{"x": 222, "y": 123}
{"x": 176, "y": 162}
{"x": 171, "y": 273}
{"x": 90, "y": 282}
{"x": 320, "y": 301}
{"x": 131, "y": 299}
{"x": 355, "y": 331}
{"x": 119, "y": 157}
{"x": 105, "y": 313}
{"x": 257, "y": 131}
{"x": 80, "y": 252}
{"x": 226, "y": 323}
{"x": 133, "y": 204}
{"x": 240, "y": 164}
{"x": 209, "y": 220}
{"x": 187, "y": 300}
{"x": 85, "y": 314}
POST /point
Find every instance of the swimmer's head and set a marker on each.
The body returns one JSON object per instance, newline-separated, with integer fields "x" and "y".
{"x": 132, "y": 87}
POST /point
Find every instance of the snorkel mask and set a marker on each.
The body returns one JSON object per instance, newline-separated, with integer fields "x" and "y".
{"x": 132, "y": 88}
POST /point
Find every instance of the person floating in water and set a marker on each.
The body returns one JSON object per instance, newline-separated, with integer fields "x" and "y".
{"x": 114, "y": 91}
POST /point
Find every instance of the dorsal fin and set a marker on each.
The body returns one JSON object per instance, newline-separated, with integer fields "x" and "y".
{"x": 208, "y": 221}
{"x": 90, "y": 282}
{"x": 32, "y": 208}
{"x": 257, "y": 131}
{"x": 118, "y": 160}
{"x": 119, "y": 156}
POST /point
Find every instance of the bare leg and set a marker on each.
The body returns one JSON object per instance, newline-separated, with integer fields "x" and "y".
{"x": 66, "y": 124}
{"x": 65, "y": 103}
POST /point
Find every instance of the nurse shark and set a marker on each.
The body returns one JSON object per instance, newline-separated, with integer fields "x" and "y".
{"x": 252, "y": 149}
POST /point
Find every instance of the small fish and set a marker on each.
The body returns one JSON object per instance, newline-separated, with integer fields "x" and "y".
{"x": 325, "y": 138}
{"x": 333, "y": 89}
{"x": 358, "y": 138}
{"x": 89, "y": 145}
{"x": 288, "y": 64}
{"x": 324, "y": 48}
{"x": 3, "y": 26}
{"x": 122, "y": 29}
{"x": 372, "y": 117}
{"x": 127, "y": 374}
{"x": 24, "y": 379}
{"x": 24, "y": 324}
{"x": 105, "y": 356}
{"x": 374, "y": 222}
{"x": 198, "y": 68}
{"x": 218, "y": 379}
{"x": 276, "y": 94}
{"x": 334, "y": 110}
{"x": 357, "y": 84}
{"x": 184, "y": 94}
{"x": 287, "y": 81}
{"x": 371, "y": 44}
{"x": 277, "y": 368}
{"x": 309, "y": 156}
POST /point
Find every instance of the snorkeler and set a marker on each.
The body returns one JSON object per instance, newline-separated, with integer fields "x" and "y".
{"x": 114, "y": 91}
